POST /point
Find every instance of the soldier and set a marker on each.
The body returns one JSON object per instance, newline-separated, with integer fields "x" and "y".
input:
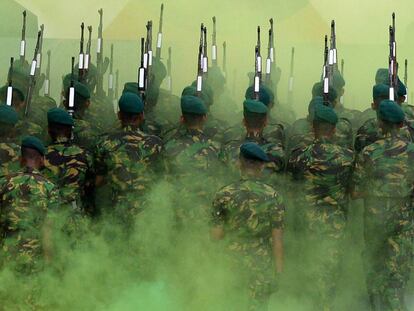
{"x": 128, "y": 160}
{"x": 67, "y": 165}
{"x": 370, "y": 131}
{"x": 255, "y": 121}
{"x": 26, "y": 198}
{"x": 249, "y": 215}
{"x": 84, "y": 133}
{"x": 325, "y": 168}
{"x": 189, "y": 151}
{"x": 9, "y": 150}
{"x": 384, "y": 177}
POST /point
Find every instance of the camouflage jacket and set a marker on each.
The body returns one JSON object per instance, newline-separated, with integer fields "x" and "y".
{"x": 130, "y": 160}
{"x": 29, "y": 128}
{"x": 9, "y": 158}
{"x": 248, "y": 210}
{"x": 408, "y": 111}
{"x": 370, "y": 132}
{"x": 70, "y": 168}
{"x": 25, "y": 199}
{"x": 352, "y": 115}
{"x": 230, "y": 152}
{"x": 301, "y": 134}
{"x": 85, "y": 134}
{"x": 101, "y": 114}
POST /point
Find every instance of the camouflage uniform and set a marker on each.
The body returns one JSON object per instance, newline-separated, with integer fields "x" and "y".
{"x": 130, "y": 160}
{"x": 384, "y": 174}
{"x": 186, "y": 153}
{"x": 26, "y": 127}
{"x": 249, "y": 210}
{"x": 9, "y": 157}
{"x": 25, "y": 199}
{"x": 325, "y": 168}
{"x": 101, "y": 114}
{"x": 85, "y": 134}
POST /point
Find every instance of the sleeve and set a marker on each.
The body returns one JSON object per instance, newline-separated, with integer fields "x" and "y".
{"x": 277, "y": 212}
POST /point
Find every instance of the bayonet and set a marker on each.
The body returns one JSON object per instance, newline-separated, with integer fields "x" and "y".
{"x": 23, "y": 40}
{"x": 47, "y": 81}
{"x": 214, "y": 43}
{"x": 159, "y": 38}
{"x": 9, "y": 98}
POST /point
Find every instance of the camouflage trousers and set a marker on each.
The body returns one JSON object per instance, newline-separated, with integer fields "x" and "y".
{"x": 388, "y": 264}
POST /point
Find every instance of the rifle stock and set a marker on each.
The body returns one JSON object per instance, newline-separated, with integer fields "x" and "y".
{"x": 32, "y": 79}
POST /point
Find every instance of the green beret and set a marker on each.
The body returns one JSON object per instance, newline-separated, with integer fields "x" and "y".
{"x": 254, "y": 106}
{"x": 318, "y": 100}
{"x": 325, "y": 114}
{"x": 19, "y": 89}
{"x": 131, "y": 103}
{"x": 131, "y": 87}
{"x": 34, "y": 143}
{"x": 265, "y": 95}
{"x": 81, "y": 89}
{"x": 382, "y": 76}
{"x": 59, "y": 116}
{"x": 338, "y": 81}
{"x": 193, "y": 105}
{"x": 253, "y": 151}
{"x": 192, "y": 91}
{"x": 390, "y": 111}
{"x": 8, "y": 115}
{"x": 317, "y": 90}
{"x": 207, "y": 91}
{"x": 380, "y": 91}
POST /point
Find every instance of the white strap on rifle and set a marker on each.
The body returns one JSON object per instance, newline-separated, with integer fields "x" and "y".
{"x": 86, "y": 65}
{"x": 406, "y": 97}
{"x": 99, "y": 46}
{"x": 256, "y": 84}
{"x": 268, "y": 65}
{"x": 110, "y": 81}
{"x": 141, "y": 78}
{"x": 324, "y": 72}
{"x": 38, "y": 60}
{"x": 71, "y": 98}
{"x": 392, "y": 94}
{"x": 272, "y": 55}
{"x": 146, "y": 60}
{"x": 214, "y": 52}
{"x": 33, "y": 68}
{"x": 205, "y": 64}
{"x": 199, "y": 83}
{"x": 331, "y": 57}
{"x": 335, "y": 59}
{"x": 115, "y": 105}
{"x": 149, "y": 58}
{"x": 47, "y": 84}
{"x": 22, "y": 48}
{"x": 169, "y": 84}
{"x": 159, "y": 40}
{"x": 394, "y": 49}
{"x": 81, "y": 59}
{"x": 291, "y": 81}
{"x": 326, "y": 85}
{"x": 9, "y": 96}
{"x": 259, "y": 63}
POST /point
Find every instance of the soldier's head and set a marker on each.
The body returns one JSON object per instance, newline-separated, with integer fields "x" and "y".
{"x": 18, "y": 96}
{"x": 8, "y": 121}
{"x": 255, "y": 115}
{"x": 194, "y": 112}
{"x": 390, "y": 116}
{"x": 32, "y": 153}
{"x": 208, "y": 93}
{"x": 192, "y": 91}
{"x": 131, "y": 110}
{"x": 60, "y": 124}
{"x": 324, "y": 120}
{"x": 266, "y": 96}
{"x": 333, "y": 98}
{"x": 82, "y": 96}
{"x": 252, "y": 159}
{"x": 380, "y": 92}
{"x": 338, "y": 83}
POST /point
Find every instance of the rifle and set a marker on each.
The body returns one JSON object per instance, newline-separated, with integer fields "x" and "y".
{"x": 214, "y": 43}
{"x": 81, "y": 75}
{"x": 9, "y": 98}
{"x": 256, "y": 73}
{"x": 333, "y": 62}
{"x": 115, "y": 99}
{"x": 88, "y": 50}
{"x": 406, "y": 79}
{"x": 23, "y": 40}
{"x": 71, "y": 103}
{"x": 99, "y": 57}
{"x": 291, "y": 78}
{"x": 326, "y": 73}
{"x": 39, "y": 53}
{"x": 258, "y": 55}
{"x": 269, "y": 60}
{"x": 272, "y": 42}
{"x": 169, "y": 79}
{"x": 205, "y": 57}
{"x": 393, "y": 65}
{"x": 32, "y": 81}
{"x": 142, "y": 83}
{"x": 200, "y": 67}
{"x": 159, "y": 38}
{"x": 225, "y": 59}
{"x": 111, "y": 76}
{"x": 47, "y": 81}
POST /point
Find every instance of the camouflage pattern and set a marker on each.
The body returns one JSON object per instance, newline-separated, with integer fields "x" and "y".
{"x": 186, "y": 153}
{"x": 408, "y": 111}
{"x": 25, "y": 199}
{"x": 384, "y": 174}
{"x": 130, "y": 161}
{"x": 101, "y": 114}
{"x": 352, "y": 115}
{"x": 39, "y": 107}
{"x": 248, "y": 211}
{"x": 70, "y": 168}
{"x": 85, "y": 134}
{"x": 9, "y": 157}
{"x": 300, "y": 134}
{"x": 325, "y": 169}
{"x": 28, "y": 128}
{"x": 370, "y": 132}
